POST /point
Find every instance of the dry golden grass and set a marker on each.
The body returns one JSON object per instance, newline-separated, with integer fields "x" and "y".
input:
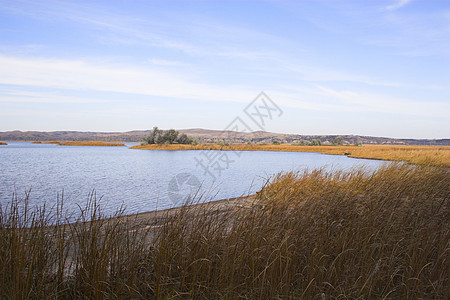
{"x": 84, "y": 143}
{"x": 313, "y": 235}
{"x": 424, "y": 155}
{"x": 3, "y": 143}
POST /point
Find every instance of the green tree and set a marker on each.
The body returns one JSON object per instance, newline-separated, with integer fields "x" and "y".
{"x": 154, "y": 135}
{"x": 184, "y": 139}
{"x": 338, "y": 141}
{"x": 302, "y": 143}
{"x": 316, "y": 142}
{"x": 170, "y": 136}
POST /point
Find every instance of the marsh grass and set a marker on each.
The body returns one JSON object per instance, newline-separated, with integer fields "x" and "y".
{"x": 42, "y": 256}
{"x": 310, "y": 235}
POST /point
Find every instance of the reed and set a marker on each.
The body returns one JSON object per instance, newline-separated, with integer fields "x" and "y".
{"x": 45, "y": 257}
{"x": 330, "y": 235}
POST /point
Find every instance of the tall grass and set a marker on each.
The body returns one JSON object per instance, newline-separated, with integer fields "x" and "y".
{"x": 356, "y": 235}
{"x": 44, "y": 257}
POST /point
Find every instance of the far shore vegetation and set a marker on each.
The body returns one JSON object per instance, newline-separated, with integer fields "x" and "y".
{"x": 359, "y": 234}
{"x": 168, "y": 137}
{"x": 173, "y": 140}
{"x": 424, "y": 155}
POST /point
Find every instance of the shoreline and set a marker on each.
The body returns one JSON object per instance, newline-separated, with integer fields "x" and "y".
{"x": 150, "y": 219}
{"x": 420, "y": 155}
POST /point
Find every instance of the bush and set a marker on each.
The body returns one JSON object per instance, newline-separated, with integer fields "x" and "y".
{"x": 171, "y": 136}
{"x": 316, "y": 142}
{"x": 338, "y": 141}
{"x": 222, "y": 143}
{"x": 302, "y": 143}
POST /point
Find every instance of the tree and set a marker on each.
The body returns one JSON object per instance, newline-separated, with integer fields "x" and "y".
{"x": 316, "y": 142}
{"x": 170, "y": 136}
{"x": 338, "y": 141}
{"x": 302, "y": 143}
{"x": 154, "y": 135}
{"x": 222, "y": 143}
{"x": 184, "y": 139}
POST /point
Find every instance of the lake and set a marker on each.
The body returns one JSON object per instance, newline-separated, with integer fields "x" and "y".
{"x": 145, "y": 180}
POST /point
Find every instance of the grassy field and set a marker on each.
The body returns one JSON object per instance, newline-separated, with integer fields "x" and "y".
{"x": 424, "y": 155}
{"x": 312, "y": 235}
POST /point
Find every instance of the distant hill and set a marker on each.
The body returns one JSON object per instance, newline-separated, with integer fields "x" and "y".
{"x": 205, "y": 135}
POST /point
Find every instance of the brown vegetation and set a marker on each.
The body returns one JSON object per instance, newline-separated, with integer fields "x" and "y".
{"x": 355, "y": 235}
{"x": 2, "y": 143}
{"x": 436, "y": 155}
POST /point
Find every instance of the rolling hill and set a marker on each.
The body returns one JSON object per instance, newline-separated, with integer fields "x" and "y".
{"x": 207, "y": 135}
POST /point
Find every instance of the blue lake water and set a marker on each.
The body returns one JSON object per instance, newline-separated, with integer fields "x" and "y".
{"x": 144, "y": 180}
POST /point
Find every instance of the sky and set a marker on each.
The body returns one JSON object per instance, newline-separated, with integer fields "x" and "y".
{"x": 378, "y": 68}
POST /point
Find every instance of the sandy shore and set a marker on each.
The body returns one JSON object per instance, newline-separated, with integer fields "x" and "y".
{"x": 154, "y": 219}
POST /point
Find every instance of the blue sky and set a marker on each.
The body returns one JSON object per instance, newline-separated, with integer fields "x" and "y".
{"x": 378, "y": 68}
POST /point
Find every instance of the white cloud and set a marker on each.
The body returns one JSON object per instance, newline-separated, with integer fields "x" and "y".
{"x": 81, "y": 75}
{"x": 398, "y": 4}
{"x": 77, "y": 75}
{"x": 17, "y": 95}
{"x": 168, "y": 63}
{"x": 365, "y": 101}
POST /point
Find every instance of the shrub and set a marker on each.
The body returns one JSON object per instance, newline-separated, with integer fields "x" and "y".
{"x": 171, "y": 136}
{"x": 338, "y": 141}
{"x": 316, "y": 142}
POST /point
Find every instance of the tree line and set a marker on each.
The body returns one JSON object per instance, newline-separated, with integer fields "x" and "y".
{"x": 171, "y": 136}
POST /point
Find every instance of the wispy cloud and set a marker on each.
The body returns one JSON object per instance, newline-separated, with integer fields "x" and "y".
{"x": 324, "y": 56}
{"x": 17, "y": 95}
{"x": 107, "y": 24}
{"x": 82, "y": 75}
{"x": 168, "y": 63}
{"x": 366, "y": 101}
{"x": 398, "y": 4}
{"x": 85, "y": 76}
